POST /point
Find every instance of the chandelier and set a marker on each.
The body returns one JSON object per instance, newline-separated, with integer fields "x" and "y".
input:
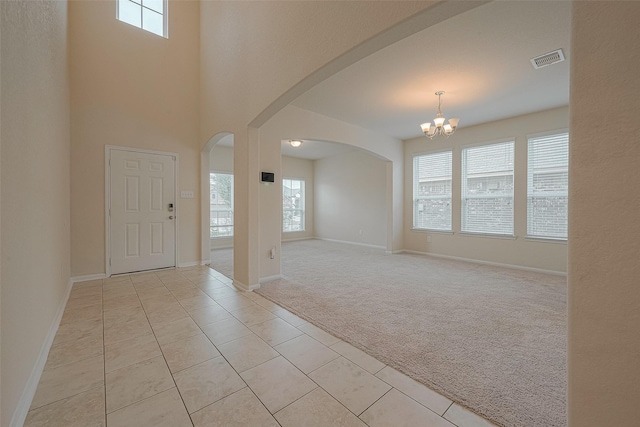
{"x": 439, "y": 127}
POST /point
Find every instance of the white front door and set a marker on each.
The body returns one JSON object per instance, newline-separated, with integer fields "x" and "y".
{"x": 141, "y": 211}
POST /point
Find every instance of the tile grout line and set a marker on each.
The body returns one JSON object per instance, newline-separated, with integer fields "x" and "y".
{"x": 376, "y": 401}
{"x": 238, "y": 373}
{"x": 104, "y": 354}
{"x": 161, "y": 354}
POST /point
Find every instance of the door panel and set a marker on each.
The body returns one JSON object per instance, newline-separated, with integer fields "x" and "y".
{"x": 142, "y": 229}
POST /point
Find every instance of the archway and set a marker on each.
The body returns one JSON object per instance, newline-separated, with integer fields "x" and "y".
{"x": 217, "y": 196}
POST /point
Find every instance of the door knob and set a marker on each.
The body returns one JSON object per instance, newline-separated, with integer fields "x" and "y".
{"x": 171, "y": 217}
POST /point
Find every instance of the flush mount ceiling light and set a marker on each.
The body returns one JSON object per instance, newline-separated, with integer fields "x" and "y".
{"x": 295, "y": 143}
{"x": 439, "y": 127}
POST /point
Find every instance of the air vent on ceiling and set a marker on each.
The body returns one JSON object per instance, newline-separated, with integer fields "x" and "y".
{"x": 547, "y": 59}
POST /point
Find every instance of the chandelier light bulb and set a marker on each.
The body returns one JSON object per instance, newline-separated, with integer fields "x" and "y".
{"x": 425, "y": 127}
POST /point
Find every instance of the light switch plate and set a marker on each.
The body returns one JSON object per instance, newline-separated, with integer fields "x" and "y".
{"x": 186, "y": 194}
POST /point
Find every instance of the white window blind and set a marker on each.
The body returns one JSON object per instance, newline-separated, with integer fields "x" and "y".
{"x": 487, "y": 189}
{"x": 150, "y": 15}
{"x": 432, "y": 191}
{"x": 292, "y": 205}
{"x": 548, "y": 186}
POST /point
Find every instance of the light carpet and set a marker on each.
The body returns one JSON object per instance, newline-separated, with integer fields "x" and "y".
{"x": 492, "y": 339}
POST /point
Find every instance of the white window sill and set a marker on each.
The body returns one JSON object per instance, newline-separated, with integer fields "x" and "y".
{"x": 545, "y": 240}
{"x": 428, "y": 230}
{"x": 489, "y": 236}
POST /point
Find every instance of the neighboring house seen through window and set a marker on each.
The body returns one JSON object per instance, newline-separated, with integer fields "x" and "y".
{"x": 221, "y": 205}
{"x": 548, "y": 186}
{"x": 487, "y": 189}
{"x": 292, "y": 205}
{"x": 150, "y": 15}
{"x": 432, "y": 191}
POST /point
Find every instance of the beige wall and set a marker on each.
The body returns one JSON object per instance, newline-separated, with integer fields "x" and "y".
{"x": 246, "y": 55}
{"x": 351, "y": 198}
{"x": 604, "y": 231}
{"x": 519, "y": 251}
{"x": 293, "y": 122}
{"x": 35, "y": 189}
{"x": 301, "y": 169}
{"x": 135, "y": 89}
{"x": 250, "y": 60}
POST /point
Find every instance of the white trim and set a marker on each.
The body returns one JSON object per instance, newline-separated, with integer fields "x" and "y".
{"x": 433, "y": 231}
{"x": 433, "y": 151}
{"x": 190, "y": 264}
{"x": 29, "y": 391}
{"x": 562, "y": 241}
{"x": 488, "y": 235}
{"x": 491, "y": 142}
{"x": 88, "y": 277}
{"x": 398, "y": 251}
{"x": 352, "y": 243}
{"x": 547, "y": 133}
{"x": 495, "y": 264}
{"x": 296, "y": 239}
{"x": 107, "y": 199}
{"x": 269, "y": 278}
{"x": 244, "y": 287}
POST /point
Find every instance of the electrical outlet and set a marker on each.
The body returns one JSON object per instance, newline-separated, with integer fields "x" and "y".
{"x": 428, "y": 239}
{"x": 360, "y": 232}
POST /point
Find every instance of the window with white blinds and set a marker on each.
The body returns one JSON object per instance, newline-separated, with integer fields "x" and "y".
{"x": 432, "y": 191}
{"x": 487, "y": 189}
{"x": 548, "y": 186}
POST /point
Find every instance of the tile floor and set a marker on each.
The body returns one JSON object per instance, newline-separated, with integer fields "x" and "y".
{"x": 183, "y": 347}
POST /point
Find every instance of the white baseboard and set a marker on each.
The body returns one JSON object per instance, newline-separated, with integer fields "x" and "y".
{"x": 295, "y": 239}
{"x": 29, "y": 391}
{"x": 244, "y": 287}
{"x": 88, "y": 277}
{"x": 270, "y": 278}
{"x": 495, "y": 264}
{"x": 189, "y": 264}
{"x": 205, "y": 261}
{"x": 351, "y": 243}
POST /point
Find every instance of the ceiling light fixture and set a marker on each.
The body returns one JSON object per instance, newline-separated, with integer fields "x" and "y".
{"x": 295, "y": 143}
{"x": 439, "y": 127}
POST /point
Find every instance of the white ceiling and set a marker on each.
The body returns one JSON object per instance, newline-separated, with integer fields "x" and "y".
{"x": 480, "y": 59}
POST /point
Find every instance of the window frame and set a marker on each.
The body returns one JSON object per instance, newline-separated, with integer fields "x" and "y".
{"x": 531, "y": 138}
{"x": 293, "y": 210}
{"x": 464, "y": 185}
{"x": 230, "y": 210}
{"x": 415, "y": 197}
{"x": 165, "y": 16}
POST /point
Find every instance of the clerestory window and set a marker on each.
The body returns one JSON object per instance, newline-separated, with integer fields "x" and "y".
{"x": 149, "y": 15}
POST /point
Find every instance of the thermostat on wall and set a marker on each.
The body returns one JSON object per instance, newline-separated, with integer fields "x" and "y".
{"x": 268, "y": 177}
